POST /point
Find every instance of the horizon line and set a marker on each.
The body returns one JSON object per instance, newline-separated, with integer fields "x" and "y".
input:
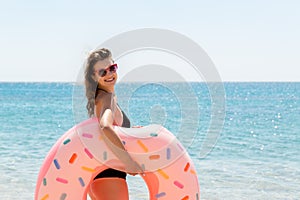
{"x": 230, "y": 81}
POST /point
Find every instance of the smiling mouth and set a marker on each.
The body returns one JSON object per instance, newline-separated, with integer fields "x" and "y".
{"x": 110, "y": 80}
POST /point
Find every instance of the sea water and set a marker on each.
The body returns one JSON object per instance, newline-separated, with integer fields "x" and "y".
{"x": 256, "y": 155}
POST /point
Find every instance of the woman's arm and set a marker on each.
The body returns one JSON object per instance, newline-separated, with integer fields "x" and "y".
{"x": 105, "y": 115}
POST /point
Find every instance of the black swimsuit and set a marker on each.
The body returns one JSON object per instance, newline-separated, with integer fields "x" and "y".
{"x": 112, "y": 172}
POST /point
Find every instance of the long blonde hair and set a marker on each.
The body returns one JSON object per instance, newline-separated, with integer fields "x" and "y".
{"x": 90, "y": 84}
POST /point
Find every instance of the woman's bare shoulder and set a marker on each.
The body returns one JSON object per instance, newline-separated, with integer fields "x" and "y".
{"x": 103, "y": 98}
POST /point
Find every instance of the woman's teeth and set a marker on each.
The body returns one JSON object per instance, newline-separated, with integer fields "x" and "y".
{"x": 110, "y": 80}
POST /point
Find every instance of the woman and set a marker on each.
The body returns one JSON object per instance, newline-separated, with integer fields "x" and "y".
{"x": 100, "y": 80}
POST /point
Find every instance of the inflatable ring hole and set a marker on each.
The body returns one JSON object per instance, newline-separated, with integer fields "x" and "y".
{"x": 141, "y": 192}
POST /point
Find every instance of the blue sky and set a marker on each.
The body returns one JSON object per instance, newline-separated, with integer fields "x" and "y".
{"x": 247, "y": 40}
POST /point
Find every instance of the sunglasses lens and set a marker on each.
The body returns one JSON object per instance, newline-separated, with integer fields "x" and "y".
{"x": 102, "y": 72}
{"x": 113, "y": 68}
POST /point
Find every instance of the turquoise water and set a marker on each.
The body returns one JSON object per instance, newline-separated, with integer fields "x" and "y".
{"x": 256, "y": 155}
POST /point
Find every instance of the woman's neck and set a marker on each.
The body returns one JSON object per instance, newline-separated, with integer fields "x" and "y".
{"x": 106, "y": 89}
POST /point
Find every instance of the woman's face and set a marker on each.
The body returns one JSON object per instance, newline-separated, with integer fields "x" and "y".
{"x": 105, "y": 77}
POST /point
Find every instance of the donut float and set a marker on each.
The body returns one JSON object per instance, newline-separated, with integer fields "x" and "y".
{"x": 81, "y": 153}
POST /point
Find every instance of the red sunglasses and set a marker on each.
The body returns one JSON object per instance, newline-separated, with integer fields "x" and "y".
{"x": 112, "y": 68}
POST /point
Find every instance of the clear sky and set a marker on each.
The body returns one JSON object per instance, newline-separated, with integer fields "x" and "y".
{"x": 257, "y": 40}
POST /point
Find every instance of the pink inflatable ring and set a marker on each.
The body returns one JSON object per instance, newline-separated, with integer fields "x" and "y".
{"x": 80, "y": 154}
